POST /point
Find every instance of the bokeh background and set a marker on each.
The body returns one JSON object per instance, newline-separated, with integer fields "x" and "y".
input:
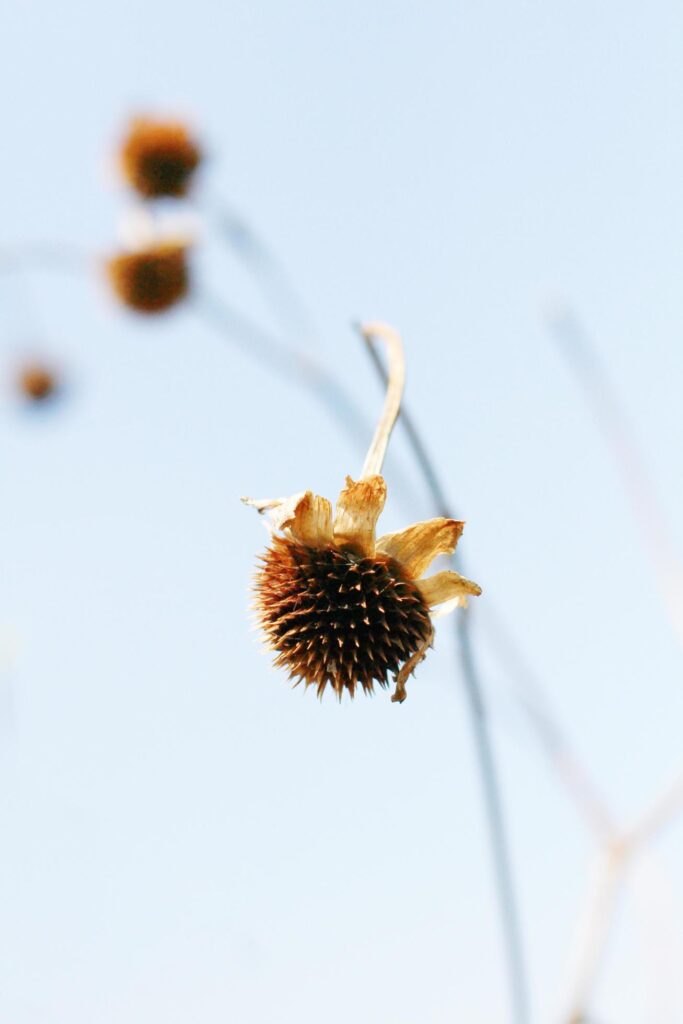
{"x": 184, "y": 838}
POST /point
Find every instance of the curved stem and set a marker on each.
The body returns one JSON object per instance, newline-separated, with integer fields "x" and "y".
{"x": 297, "y": 367}
{"x": 493, "y": 800}
{"x": 613, "y": 420}
{"x": 555, "y": 743}
{"x": 557, "y": 747}
{"x": 392, "y": 402}
{"x": 264, "y": 266}
{"x": 479, "y": 718}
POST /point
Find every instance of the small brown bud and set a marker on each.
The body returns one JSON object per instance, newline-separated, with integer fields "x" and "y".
{"x": 159, "y": 158}
{"x": 153, "y": 279}
{"x": 37, "y": 382}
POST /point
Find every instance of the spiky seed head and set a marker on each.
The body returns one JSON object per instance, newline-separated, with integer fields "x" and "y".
{"x": 335, "y": 616}
{"x": 151, "y": 280}
{"x": 37, "y": 382}
{"x": 159, "y": 158}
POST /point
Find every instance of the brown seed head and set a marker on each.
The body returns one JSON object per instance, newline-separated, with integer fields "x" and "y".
{"x": 153, "y": 279}
{"x": 334, "y": 616}
{"x": 159, "y": 158}
{"x": 37, "y": 382}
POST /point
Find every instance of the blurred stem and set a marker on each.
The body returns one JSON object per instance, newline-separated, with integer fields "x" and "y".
{"x": 594, "y": 929}
{"x": 663, "y": 808}
{"x": 299, "y": 368}
{"x": 612, "y": 419}
{"x": 294, "y": 366}
{"x": 555, "y": 743}
{"x": 615, "y": 857}
{"x": 267, "y": 271}
{"x": 569, "y": 768}
{"x": 507, "y": 896}
{"x": 484, "y": 748}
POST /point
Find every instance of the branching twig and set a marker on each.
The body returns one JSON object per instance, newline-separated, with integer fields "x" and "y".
{"x": 622, "y": 845}
{"x": 616, "y": 855}
{"x": 593, "y": 931}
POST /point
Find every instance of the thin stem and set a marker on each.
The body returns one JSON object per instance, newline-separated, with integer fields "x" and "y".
{"x": 594, "y": 929}
{"x": 259, "y": 259}
{"x": 396, "y": 376}
{"x": 419, "y": 449}
{"x": 662, "y": 809}
{"x": 299, "y": 368}
{"x": 556, "y": 745}
{"x": 613, "y": 420}
{"x": 512, "y": 933}
{"x": 484, "y": 748}
{"x": 558, "y": 749}
{"x": 296, "y": 367}
{"x": 617, "y": 853}
{"x": 582, "y": 356}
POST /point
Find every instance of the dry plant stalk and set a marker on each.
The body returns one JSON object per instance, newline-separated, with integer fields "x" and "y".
{"x": 488, "y": 771}
{"x": 619, "y": 846}
{"x": 338, "y": 606}
{"x": 617, "y": 853}
{"x": 615, "y": 425}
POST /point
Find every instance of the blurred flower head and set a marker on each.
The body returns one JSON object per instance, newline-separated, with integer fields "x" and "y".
{"x": 159, "y": 158}
{"x": 37, "y": 382}
{"x": 152, "y": 278}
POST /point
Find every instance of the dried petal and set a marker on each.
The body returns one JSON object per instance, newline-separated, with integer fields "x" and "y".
{"x": 312, "y": 524}
{"x": 306, "y": 517}
{"x": 359, "y": 506}
{"x": 417, "y": 546}
{"x": 281, "y": 511}
{"x": 447, "y": 586}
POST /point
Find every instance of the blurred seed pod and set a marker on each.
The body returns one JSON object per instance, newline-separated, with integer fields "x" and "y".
{"x": 159, "y": 158}
{"x": 37, "y": 382}
{"x": 151, "y": 279}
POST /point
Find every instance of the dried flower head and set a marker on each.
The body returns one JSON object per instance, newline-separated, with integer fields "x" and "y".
{"x": 37, "y": 382}
{"x": 339, "y": 606}
{"x": 159, "y": 158}
{"x": 152, "y": 279}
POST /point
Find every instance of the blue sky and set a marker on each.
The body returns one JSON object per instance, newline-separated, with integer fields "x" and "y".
{"x": 184, "y": 837}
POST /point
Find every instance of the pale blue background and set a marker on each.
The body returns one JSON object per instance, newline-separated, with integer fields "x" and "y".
{"x": 183, "y": 837}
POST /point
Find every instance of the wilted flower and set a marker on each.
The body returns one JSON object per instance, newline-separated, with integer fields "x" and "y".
{"x": 37, "y": 382}
{"x": 338, "y": 606}
{"x": 159, "y": 158}
{"x": 151, "y": 279}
